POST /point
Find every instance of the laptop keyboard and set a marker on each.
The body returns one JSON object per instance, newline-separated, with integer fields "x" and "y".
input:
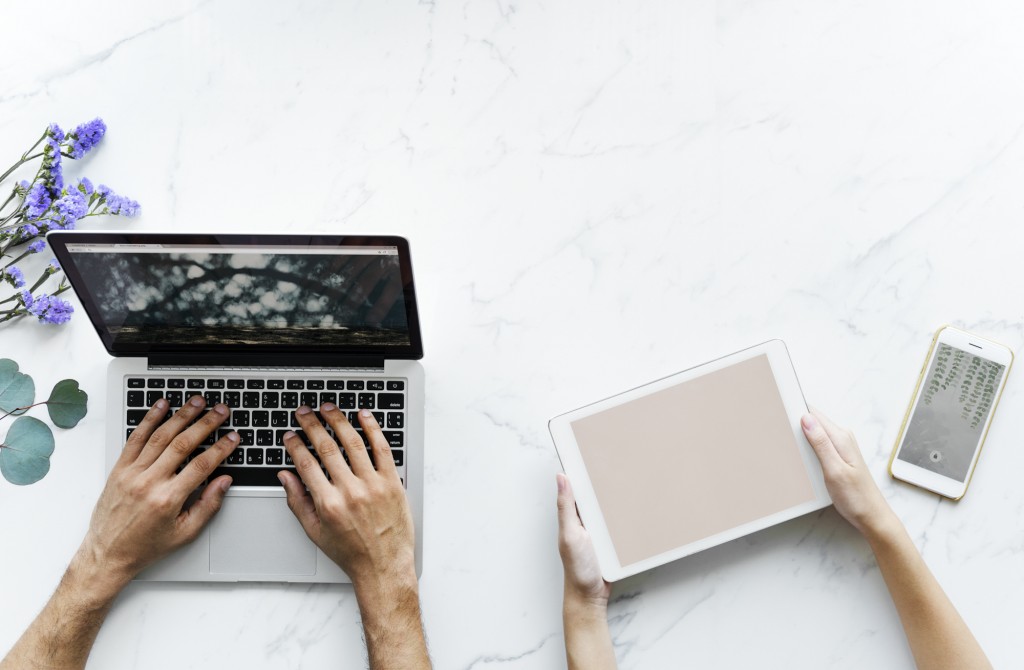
{"x": 263, "y": 410}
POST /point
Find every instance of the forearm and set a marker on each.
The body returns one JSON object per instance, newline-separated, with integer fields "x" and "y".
{"x": 588, "y": 642}
{"x": 392, "y": 623}
{"x": 938, "y": 636}
{"x": 64, "y": 632}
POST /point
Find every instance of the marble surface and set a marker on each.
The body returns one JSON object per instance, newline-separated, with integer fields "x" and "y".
{"x": 596, "y": 194}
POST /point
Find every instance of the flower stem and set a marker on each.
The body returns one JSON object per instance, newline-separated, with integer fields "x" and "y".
{"x": 25, "y": 157}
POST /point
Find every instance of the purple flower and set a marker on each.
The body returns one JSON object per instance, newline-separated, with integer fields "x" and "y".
{"x": 47, "y": 308}
{"x": 117, "y": 204}
{"x": 86, "y": 136}
{"x": 52, "y": 170}
{"x": 28, "y": 230}
{"x": 55, "y": 132}
{"x": 54, "y": 266}
{"x": 70, "y": 207}
{"x": 85, "y": 186}
{"x": 37, "y": 246}
{"x": 37, "y": 201}
{"x": 14, "y": 276}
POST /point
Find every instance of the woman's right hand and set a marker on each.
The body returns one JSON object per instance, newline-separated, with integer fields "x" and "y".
{"x": 583, "y": 581}
{"x": 854, "y": 493}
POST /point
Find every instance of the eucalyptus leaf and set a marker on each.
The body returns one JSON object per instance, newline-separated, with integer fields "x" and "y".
{"x": 16, "y": 388}
{"x": 25, "y": 453}
{"x": 67, "y": 404}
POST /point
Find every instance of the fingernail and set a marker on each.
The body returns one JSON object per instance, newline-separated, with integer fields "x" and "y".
{"x": 233, "y": 436}
{"x": 303, "y": 410}
{"x": 196, "y": 401}
{"x": 327, "y": 407}
{"x": 225, "y": 485}
{"x": 221, "y": 409}
{"x": 809, "y": 422}
{"x": 161, "y": 404}
{"x": 561, "y": 482}
{"x": 280, "y": 478}
{"x": 365, "y": 413}
{"x": 289, "y": 435}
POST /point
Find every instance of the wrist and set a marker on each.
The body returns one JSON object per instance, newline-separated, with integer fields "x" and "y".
{"x": 584, "y": 605}
{"x": 94, "y": 584}
{"x": 386, "y": 590}
{"x": 882, "y": 529}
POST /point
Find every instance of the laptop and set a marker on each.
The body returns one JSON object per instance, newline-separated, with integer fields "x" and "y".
{"x": 264, "y": 324}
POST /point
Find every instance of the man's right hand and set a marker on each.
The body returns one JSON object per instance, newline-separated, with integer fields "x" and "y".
{"x": 360, "y": 518}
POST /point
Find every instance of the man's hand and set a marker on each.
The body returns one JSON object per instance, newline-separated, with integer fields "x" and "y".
{"x": 853, "y": 491}
{"x": 360, "y": 518}
{"x": 141, "y": 517}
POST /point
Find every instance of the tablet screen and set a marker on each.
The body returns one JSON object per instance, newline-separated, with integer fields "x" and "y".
{"x": 690, "y": 461}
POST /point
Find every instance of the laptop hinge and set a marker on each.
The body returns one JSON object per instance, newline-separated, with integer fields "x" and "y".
{"x": 266, "y": 361}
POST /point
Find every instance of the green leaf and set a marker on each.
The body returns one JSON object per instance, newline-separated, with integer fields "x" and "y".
{"x": 67, "y": 404}
{"x": 16, "y": 389}
{"x": 25, "y": 454}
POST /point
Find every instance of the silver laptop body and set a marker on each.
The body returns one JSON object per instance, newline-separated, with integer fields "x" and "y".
{"x": 276, "y": 320}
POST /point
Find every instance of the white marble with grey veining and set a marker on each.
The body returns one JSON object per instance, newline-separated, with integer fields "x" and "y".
{"x": 596, "y": 194}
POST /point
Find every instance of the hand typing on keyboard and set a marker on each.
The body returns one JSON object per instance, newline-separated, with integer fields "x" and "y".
{"x": 360, "y": 518}
{"x": 140, "y": 517}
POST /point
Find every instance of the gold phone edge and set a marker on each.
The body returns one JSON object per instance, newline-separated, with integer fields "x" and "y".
{"x": 910, "y": 406}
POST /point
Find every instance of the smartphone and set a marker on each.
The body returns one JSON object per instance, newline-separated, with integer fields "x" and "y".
{"x": 956, "y": 396}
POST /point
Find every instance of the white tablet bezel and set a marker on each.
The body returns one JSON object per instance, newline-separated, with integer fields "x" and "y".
{"x": 586, "y": 499}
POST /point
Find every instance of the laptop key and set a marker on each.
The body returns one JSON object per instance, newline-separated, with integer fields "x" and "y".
{"x": 395, "y": 438}
{"x": 279, "y": 419}
{"x": 214, "y": 383}
{"x": 399, "y": 457}
{"x": 347, "y": 400}
{"x": 375, "y": 385}
{"x": 355, "y": 385}
{"x": 247, "y": 437}
{"x": 396, "y": 385}
{"x": 296, "y": 384}
{"x": 135, "y": 399}
{"x": 308, "y": 399}
{"x": 254, "y": 457}
{"x": 232, "y": 399}
{"x": 156, "y": 383}
{"x": 175, "y": 383}
{"x": 212, "y": 398}
{"x": 279, "y": 437}
{"x": 250, "y": 399}
{"x": 391, "y": 401}
{"x": 275, "y": 384}
{"x": 136, "y": 383}
{"x": 260, "y": 418}
{"x": 254, "y": 384}
{"x": 335, "y": 384}
{"x": 328, "y": 396}
{"x": 379, "y": 418}
{"x": 396, "y": 420}
{"x": 236, "y": 383}
{"x": 240, "y": 418}
{"x": 175, "y": 398}
{"x": 289, "y": 400}
{"x": 315, "y": 384}
{"x": 236, "y": 457}
{"x": 196, "y": 383}
{"x": 135, "y": 416}
{"x": 251, "y": 476}
{"x": 367, "y": 400}
{"x": 264, "y": 438}
{"x": 270, "y": 400}
{"x": 275, "y": 456}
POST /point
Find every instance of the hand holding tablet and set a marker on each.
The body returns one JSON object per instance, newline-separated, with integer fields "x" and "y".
{"x": 691, "y": 461}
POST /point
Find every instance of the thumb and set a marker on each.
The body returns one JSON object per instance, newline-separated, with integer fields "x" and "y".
{"x": 200, "y": 513}
{"x": 299, "y": 501}
{"x": 567, "y": 516}
{"x": 820, "y": 441}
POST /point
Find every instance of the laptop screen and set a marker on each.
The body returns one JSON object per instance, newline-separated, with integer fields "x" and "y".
{"x": 255, "y": 292}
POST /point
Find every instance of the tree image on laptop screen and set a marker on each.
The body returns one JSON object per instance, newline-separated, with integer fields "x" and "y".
{"x": 248, "y": 298}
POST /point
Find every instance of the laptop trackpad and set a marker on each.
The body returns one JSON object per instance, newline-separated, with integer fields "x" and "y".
{"x": 259, "y": 536}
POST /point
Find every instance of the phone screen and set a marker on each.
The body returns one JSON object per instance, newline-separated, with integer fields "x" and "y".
{"x": 957, "y": 397}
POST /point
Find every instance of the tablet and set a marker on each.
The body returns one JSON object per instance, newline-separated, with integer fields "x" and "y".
{"x": 691, "y": 461}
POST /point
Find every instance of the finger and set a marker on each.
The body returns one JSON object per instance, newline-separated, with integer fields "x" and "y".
{"x": 163, "y": 435}
{"x": 199, "y": 514}
{"x": 330, "y": 452}
{"x": 300, "y": 503}
{"x": 842, "y": 439}
{"x": 137, "y": 440}
{"x": 184, "y": 443}
{"x": 200, "y": 467}
{"x": 305, "y": 465}
{"x": 820, "y": 441}
{"x": 566, "y": 502}
{"x": 381, "y": 449}
{"x": 359, "y": 461}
